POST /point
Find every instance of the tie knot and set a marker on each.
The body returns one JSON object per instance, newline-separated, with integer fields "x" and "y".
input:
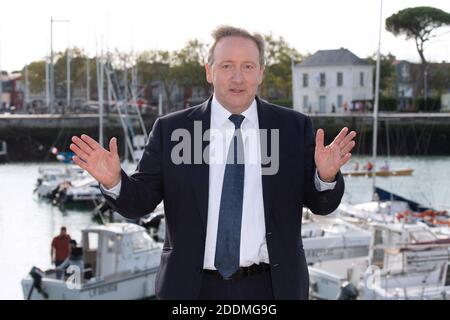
{"x": 237, "y": 120}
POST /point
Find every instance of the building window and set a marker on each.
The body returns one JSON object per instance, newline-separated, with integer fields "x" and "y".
{"x": 305, "y": 80}
{"x": 340, "y": 99}
{"x": 340, "y": 79}
{"x": 322, "y": 104}
{"x": 305, "y": 103}
{"x": 322, "y": 79}
{"x": 361, "y": 79}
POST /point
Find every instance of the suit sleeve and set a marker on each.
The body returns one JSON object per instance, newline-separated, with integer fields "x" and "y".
{"x": 141, "y": 192}
{"x": 324, "y": 202}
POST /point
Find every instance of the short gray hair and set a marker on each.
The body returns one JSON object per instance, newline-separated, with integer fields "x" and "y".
{"x": 229, "y": 31}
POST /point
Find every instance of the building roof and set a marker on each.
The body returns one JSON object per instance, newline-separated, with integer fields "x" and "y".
{"x": 337, "y": 57}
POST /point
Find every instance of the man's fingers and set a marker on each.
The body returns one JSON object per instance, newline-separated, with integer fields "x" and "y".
{"x": 348, "y": 138}
{"x": 77, "y": 160}
{"x": 320, "y": 137}
{"x": 340, "y": 136}
{"x": 113, "y": 146}
{"x": 80, "y": 153}
{"x": 82, "y": 145}
{"x": 348, "y": 147}
{"x": 91, "y": 142}
{"x": 345, "y": 159}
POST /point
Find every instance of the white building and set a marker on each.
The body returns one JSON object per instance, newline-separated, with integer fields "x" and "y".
{"x": 332, "y": 80}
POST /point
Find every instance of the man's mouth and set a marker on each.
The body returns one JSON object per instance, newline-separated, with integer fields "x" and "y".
{"x": 237, "y": 91}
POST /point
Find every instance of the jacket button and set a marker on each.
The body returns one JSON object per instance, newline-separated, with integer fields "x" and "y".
{"x": 268, "y": 233}
{"x": 275, "y": 265}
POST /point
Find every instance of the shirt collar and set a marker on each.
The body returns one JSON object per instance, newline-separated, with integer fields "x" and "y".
{"x": 220, "y": 115}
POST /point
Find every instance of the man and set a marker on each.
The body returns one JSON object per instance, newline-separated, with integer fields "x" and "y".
{"x": 60, "y": 250}
{"x": 232, "y": 229}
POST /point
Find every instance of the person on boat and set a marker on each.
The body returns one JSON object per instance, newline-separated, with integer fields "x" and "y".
{"x": 356, "y": 166}
{"x": 75, "y": 257}
{"x": 369, "y": 166}
{"x": 385, "y": 166}
{"x": 60, "y": 250}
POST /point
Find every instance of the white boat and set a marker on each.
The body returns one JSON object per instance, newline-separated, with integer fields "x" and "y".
{"x": 81, "y": 190}
{"x": 405, "y": 261}
{"x": 408, "y": 262}
{"x": 118, "y": 261}
{"x": 50, "y": 178}
{"x": 327, "y": 239}
{"x": 366, "y": 212}
{"x": 331, "y": 245}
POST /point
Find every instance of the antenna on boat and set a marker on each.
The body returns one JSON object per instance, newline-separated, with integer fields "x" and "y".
{"x": 375, "y": 107}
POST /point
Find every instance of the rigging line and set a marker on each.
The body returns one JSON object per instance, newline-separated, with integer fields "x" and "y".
{"x": 418, "y": 139}
{"x": 55, "y": 141}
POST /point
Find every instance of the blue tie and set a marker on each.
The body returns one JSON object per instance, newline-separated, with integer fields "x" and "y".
{"x": 230, "y": 213}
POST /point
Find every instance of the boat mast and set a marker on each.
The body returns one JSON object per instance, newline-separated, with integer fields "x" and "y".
{"x": 375, "y": 107}
{"x": 100, "y": 93}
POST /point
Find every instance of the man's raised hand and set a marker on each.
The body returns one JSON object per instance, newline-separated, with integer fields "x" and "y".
{"x": 329, "y": 159}
{"x": 102, "y": 164}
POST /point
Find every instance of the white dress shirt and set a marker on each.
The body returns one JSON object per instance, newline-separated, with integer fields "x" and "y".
{"x": 253, "y": 230}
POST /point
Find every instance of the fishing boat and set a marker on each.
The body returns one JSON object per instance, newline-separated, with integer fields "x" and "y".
{"x": 115, "y": 261}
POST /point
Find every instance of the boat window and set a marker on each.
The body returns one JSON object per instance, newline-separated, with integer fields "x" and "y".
{"x": 422, "y": 236}
{"x": 111, "y": 243}
{"x": 92, "y": 241}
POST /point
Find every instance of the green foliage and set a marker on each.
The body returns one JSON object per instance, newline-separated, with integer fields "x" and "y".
{"x": 387, "y": 73}
{"x": 417, "y": 23}
{"x": 36, "y": 76}
{"x": 277, "y": 82}
{"x": 433, "y": 104}
{"x": 387, "y": 104}
{"x": 183, "y": 67}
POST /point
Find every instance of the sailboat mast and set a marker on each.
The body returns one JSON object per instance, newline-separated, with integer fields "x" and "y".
{"x": 375, "y": 107}
{"x": 100, "y": 94}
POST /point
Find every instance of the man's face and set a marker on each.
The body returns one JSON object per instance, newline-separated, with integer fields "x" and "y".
{"x": 63, "y": 232}
{"x": 235, "y": 72}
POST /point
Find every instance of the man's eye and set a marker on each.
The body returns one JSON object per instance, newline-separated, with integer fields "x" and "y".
{"x": 249, "y": 66}
{"x": 226, "y": 66}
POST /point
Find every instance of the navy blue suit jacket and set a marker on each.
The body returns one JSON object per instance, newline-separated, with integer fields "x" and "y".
{"x": 184, "y": 189}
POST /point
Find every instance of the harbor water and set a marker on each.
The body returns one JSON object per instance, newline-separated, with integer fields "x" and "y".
{"x": 27, "y": 225}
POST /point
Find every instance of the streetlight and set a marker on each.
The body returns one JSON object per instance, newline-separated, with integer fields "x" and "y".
{"x": 52, "y": 73}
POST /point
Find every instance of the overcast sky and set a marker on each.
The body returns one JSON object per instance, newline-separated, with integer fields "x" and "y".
{"x": 168, "y": 24}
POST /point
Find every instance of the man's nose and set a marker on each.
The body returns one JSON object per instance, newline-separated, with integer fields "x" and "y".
{"x": 237, "y": 76}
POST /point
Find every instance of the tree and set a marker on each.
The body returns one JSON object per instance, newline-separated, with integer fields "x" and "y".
{"x": 184, "y": 67}
{"x": 278, "y": 74}
{"x": 418, "y": 23}
{"x": 387, "y": 73}
{"x": 157, "y": 65}
{"x": 189, "y": 67}
{"x": 36, "y": 76}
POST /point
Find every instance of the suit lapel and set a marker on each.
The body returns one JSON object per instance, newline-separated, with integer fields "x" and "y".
{"x": 265, "y": 122}
{"x": 200, "y": 172}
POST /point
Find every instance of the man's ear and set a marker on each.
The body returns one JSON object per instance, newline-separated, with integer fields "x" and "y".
{"x": 208, "y": 69}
